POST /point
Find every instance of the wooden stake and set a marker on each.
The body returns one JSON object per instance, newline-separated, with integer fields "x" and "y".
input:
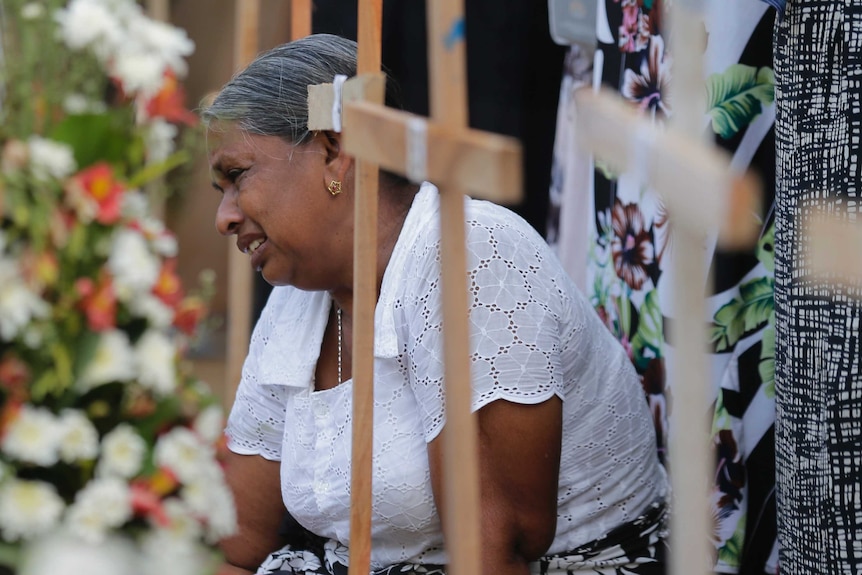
{"x": 690, "y": 456}
{"x": 703, "y": 196}
{"x": 446, "y": 151}
{"x": 370, "y": 21}
{"x": 448, "y": 100}
{"x": 300, "y": 19}
{"x": 239, "y": 304}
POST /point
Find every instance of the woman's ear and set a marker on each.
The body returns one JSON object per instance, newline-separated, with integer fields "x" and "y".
{"x": 337, "y": 162}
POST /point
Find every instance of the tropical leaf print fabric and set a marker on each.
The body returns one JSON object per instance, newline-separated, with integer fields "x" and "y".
{"x": 620, "y": 252}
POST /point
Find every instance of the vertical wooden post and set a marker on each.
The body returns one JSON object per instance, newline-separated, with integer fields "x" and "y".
{"x": 448, "y": 102}
{"x": 690, "y": 456}
{"x": 239, "y": 304}
{"x": 159, "y": 10}
{"x": 300, "y": 19}
{"x": 370, "y": 22}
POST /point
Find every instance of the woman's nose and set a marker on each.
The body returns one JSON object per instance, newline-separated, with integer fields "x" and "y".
{"x": 228, "y": 215}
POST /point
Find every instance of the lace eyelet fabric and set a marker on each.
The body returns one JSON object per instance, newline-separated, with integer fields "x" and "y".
{"x": 533, "y": 336}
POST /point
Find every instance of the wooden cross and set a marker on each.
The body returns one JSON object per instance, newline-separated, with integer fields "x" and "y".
{"x": 447, "y": 153}
{"x": 702, "y": 193}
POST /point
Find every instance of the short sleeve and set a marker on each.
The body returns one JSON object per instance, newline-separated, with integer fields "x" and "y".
{"x": 516, "y": 302}
{"x": 255, "y": 424}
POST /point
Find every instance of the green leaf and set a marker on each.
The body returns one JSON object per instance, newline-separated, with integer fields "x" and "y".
{"x": 650, "y": 333}
{"x": 766, "y": 249}
{"x": 758, "y": 297}
{"x": 731, "y": 552}
{"x": 88, "y": 343}
{"x": 750, "y": 310}
{"x": 721, "y": 419}
{"x": 10, "y": 555}
{"x": 96, "y": 137}
{"x": 728, "y": 325}
{"x": 766, "y": 367}
{"x": 154, "y": 171}
{"x": 736, "y": 97}
{"x": 44, "y": 385}
{"x": 62, "y": 366}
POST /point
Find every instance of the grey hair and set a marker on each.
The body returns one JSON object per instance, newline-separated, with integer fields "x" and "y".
{"x": 270, "y": 96}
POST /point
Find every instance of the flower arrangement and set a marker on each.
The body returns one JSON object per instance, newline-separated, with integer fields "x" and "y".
{"x": 107, "y": 440}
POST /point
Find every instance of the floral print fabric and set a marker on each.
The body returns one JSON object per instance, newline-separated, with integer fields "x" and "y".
{"x": 625, "y": 245}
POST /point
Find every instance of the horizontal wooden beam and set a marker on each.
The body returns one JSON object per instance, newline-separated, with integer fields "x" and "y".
{"x": 834, "y": 248}
{"x": 485, "y": 165}
{"x": 696, "y": 181}
{"x": 321, "y": 97}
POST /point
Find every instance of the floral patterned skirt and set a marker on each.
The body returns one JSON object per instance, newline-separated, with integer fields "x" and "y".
{"x": 635, "y": 548}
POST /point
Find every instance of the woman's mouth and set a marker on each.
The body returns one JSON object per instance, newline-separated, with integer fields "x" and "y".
{"x": 255, "y": 252}
{"x": 252, "y": 247}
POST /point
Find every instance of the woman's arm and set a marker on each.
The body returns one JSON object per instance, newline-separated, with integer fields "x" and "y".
{"x": 519, "y": 466}
{"x": 256, "y": 486}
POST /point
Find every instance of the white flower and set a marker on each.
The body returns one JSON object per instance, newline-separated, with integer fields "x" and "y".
{"x": 181, "y": 451}
{"x": 61, "y": 552}
{"x": 182, "y": 524}
{"x": 102, "y": 504}
{"x": 50, "y": 159}
{"x": 80, "y": 104}
{"x": 155, "y": 355}
{"x": 28, "y": 508}
{"x": 163, "y": 554}
{"x": 79, "y": 439}
{"x": 171, "y": 44}
{"x": 160, "y": 140}
{"x": 18, "y": 304}
{"x": 209, "y": 424}
{"x": 32, "y": 11}
{"x": 33, "y": 437}
{"x": 90, "y": 24}
{"x": 134, "y": 267}
{"x": 154, "y": 310}
{"x": 135, "y": 205}
{"x": 139, "y": 72}
{"x": 163, "y": 241}
{"x": 113, "y": 360}
{"x": 122, "y": 452}
{"x": 211, "y": 501}
{"x": 222, "y": 512}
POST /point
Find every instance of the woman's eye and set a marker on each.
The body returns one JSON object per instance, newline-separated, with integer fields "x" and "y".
{"x": 234, "y": 173}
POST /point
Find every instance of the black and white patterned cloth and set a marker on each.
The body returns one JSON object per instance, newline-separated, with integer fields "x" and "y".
{"x": 818, "y": 65}
{"x": 635, "y": 548}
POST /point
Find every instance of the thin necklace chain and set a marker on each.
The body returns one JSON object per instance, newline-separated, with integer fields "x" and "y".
{"x": 338, "y": 321}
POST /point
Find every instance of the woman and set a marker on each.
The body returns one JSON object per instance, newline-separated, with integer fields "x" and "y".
{"x": 570, "y": 477}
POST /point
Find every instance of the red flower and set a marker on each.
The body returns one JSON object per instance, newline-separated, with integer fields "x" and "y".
{"x": 146, "y": 503}
{"x": 14, "y": 377}
{"x": 189, "y": 314}
{"x": 168, "y": 287}
{"x": 168, "y": 103}
{"x": 99, "y": 186}
{"x": 99, "y": 302}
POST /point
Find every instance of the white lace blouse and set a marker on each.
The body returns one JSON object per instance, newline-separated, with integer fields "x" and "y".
{"x": 533, "y": 336}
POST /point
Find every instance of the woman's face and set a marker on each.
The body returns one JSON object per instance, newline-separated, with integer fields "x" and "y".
{"x": 274, "y": 199}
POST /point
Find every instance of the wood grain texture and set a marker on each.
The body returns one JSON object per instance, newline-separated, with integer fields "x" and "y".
{"x": 370, "y": 22}
{"x": 448, "y": 104}
{"x": 240, "y": 284}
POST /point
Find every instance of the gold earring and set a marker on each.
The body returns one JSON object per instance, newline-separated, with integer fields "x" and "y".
{"x": 334, "y": 187}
